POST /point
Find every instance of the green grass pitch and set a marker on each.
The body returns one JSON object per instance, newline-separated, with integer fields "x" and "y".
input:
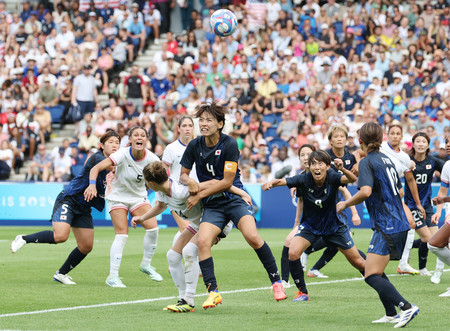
{"x": 342, "y": 302}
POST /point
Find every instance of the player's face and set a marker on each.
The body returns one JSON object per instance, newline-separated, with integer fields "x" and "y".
{"x": 304, "y": 156}
{"x": 186, "y": 128}
{"x": 209, "y": 126}
{"x": 318, "y": 170}
{"x": 110, "y": 146}
{"x": 447, "y": 145}
{"x": 338, "y": 139}
{"x": 395, "y": 137}
{"x": 420, "y": 145}
{"x": 138, "y": 139}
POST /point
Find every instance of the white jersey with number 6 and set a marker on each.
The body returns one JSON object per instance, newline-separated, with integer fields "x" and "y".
{"x": 176, "y": 202}
{"x": 128, "y": 181}
{"x": 401, "y": 160}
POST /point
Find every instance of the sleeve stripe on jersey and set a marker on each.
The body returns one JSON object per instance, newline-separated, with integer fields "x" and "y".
{"x": 444, "y": 184}
{"x": 113, "y": 161}
{"x": 165, "y": 162}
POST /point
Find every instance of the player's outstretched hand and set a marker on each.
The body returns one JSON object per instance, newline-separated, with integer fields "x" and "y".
{"x": 136, "y": 220}
{"x": 356, "y": 220}
{"x": 192, "y": 201}
{"x": 338, "y": 164}
{"x": 267, "y": 186}
{"x": 421, "y": 209}
{"x": 90, "y": 192}
{"x": 341, "y": 206}
{"x": 438, "y": 201}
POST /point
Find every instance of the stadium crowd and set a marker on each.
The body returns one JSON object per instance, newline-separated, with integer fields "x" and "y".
{"x": 290, "y": 71}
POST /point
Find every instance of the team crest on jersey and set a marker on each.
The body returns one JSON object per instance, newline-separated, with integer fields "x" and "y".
{"x": 218, "y": 152}
{"x": 63, "y": 217}
{"x": 428, "y": 166}
{"x": 347, "y": 162}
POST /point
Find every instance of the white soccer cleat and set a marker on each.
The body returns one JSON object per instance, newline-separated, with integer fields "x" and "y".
{"x": 424, "y": 272}
{"x": 406, "y": 269}
{"x": 406, "y": 316}
{"x": 436, "y": 278}
{"x": 445, "y": 294}
{"x": 388, "y": 319}
{"x": 151, "y": 271}
{"x": 304, "y": 260}
{"x": 285, "y": 284}
{"x": 114, "y": 281}
{"x": 316, "y": 274}
{"x": 17, "y": 243}
{"x": 63, "y": 279}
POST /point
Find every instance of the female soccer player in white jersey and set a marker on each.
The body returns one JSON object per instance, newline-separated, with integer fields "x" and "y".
{"x": 404, "y": 167}
{"x": 71, "y": 210}
{"x": 380, "y": 187}
{"x": 174, "y": 195}
{"x": 438, "y": 244}
{"x": 171, "y": 160}
{"x": 426, "y": 166}
{"x": 216, "y": 156}
{"x": 128, "y": 194}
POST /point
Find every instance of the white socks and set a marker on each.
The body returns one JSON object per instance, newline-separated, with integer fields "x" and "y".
{"x": 192, "y": 268}
{"x": 150, "y": 243}
{"x": 175, "y": 238}
{"x": 442, "y": 253}
{"x": 408, "y": 247}
{"x": 176, "y": 269}
{"x": 116, "y": 253}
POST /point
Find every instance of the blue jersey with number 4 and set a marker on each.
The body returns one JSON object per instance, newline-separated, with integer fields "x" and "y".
{"x": 384, "y": 205}
{"x": 210, "y": 161}
{"x": 319, "y": 203}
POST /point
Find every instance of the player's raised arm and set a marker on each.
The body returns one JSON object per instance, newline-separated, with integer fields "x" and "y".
{"x": 91, "y": 191}
{"x": 157, "y": 209}
{"x": 274, "y": 183}
{"x": 348, "y": 177}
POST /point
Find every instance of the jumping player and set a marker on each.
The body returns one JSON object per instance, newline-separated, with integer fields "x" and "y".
{"x": 216, "y": 156}
{"x": 71, "y": 210}
{"x": 174, "y": 195}
{"x": 319, "y": 189}
{"x": 381, "y": 189}
{"x": 426, "y": 165}
{"x": 128, "y": 194}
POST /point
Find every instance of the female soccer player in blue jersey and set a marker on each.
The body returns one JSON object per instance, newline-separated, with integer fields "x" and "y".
{"x": 381, "y": 189}
{"x": 216, "y": 156}
{"x": 71, "y": 210}
{"x": 426, "y": 165}
{"x": 319, "y": 190}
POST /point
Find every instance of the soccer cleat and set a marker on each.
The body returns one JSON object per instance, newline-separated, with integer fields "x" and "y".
{"x": 278, "y": 291}
{"x": 300, "y": 296}
{"x": 63, "y": 279}
{"x": 388, "y": 319}
{"x": 181, "y": 307}
{"x": 285, "y": 284}
{"x": 316, "y": 274}
{"x": 214, "y": 298}
{"x": 424, "y": 272}
{"x": 114, "y": 281}
{"x": 406, "y": 269}
{"x": 17, "y": 243}
{"x": 445, "y": 294}
{"x": 304, "y": 260}
{"x": 436, "y": 278}
{"x": 406, "y": 316}
{"x": 151, "y": 271}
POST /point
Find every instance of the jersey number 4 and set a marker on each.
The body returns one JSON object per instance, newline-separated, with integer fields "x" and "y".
{"x": 210, "y": 169}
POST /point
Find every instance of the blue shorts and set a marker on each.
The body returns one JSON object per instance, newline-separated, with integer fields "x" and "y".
{"x": 418, "y": 217}
{"x": 67, "y": 210}
{"x": 340, "y": 239}
{"x": 388, "y": 244}
{"x": 220, "y": 211}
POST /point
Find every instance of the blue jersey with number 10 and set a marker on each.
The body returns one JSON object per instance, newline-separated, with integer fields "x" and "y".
{"x": 384, "y": 205}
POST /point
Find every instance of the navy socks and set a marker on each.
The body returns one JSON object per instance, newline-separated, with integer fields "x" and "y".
{"x": 43, "y": 237}
{"x": 285, "y": 264}
{"x": 266, "y": 257}
{"x": 74, "y": 258}
{"x": 207, "y": 267}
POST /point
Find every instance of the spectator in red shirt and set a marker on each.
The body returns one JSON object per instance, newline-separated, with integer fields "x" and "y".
{"x": 172, "y": 44}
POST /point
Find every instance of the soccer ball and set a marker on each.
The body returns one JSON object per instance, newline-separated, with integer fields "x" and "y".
{"x": 223, "y": 22}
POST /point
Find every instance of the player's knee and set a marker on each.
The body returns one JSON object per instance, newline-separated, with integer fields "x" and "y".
{"x": 190, "y": 253}
{"x": 287, "y": 242}
{"x": 254, "y": 240}
{"x": 86, "y": 248}
{"x": 60, "y": 237}
{"x": 204, "y": 243}
{"x": 173, "y": 257}
{"x": 293, "y": 254}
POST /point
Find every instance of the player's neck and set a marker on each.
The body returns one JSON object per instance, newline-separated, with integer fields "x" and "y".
{"x": 184, "y": 140}
{"x": 420, "y": 157}
{"x": 138, "y": 155}
{"x": 339, "y": 152}
{"x": 395, "y": 148}
{"x": 165, "y": 187}
{"x": 212, "y": 140}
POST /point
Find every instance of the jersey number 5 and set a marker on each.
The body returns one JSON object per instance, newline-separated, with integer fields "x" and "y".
{"x": 138, "y": 178}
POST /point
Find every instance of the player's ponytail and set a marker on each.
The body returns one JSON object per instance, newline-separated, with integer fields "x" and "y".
{"x": 371, "y": 134}
{"x": 417, "y": 135}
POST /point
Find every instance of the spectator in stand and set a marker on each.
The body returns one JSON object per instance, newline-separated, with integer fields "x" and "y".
{"x": 44, "y": 118}
{"x": 61, "y": 167}
{"x": 6, "y": 159}
{"x": 48, "y": 95}
{"x": 88, "y": 140}
{"x": 136, "y": 31}
{"x": 153, "y": 21}
{"x": 65, "y": 38}
{"x": 135, "y": 89}
{"x": 84, "y": 91}
{"x": 164, "y": 7}
{"x": 41, "y": 166}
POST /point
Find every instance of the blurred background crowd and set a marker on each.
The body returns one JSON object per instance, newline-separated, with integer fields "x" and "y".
{"x": 290, "y": 71}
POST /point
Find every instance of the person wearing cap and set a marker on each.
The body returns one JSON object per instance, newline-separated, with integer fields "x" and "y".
{"x": 407, "y": 90}
{"x": 65, "y": 37}
{"x": 48, "y": 24}
{"x": 397, "y": 85}
{"x": 325, "y": 75}
{"x": 327, "y": 39}
{"x": 106, "y": 12}
{"x": 136, "y": 31}
{"x": 135, "y": 89}
{"x": 153, "y": 21}
{"x": 267, "y": 85}
{"x": 48, "y": 95}
{"x": 84, "y": 92}
{"x": 26, "y": 11}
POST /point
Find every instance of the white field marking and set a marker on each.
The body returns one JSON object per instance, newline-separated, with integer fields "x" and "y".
{"x": 174, "y": 297}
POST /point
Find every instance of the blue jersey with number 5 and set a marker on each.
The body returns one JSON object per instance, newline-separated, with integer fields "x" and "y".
{"x": 384, "y": 205}
{"x": 319, "y": 203}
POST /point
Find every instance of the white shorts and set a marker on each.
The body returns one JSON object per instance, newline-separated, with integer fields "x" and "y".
{"x": 193, "y": 226}
{"x": 131, "y": 205}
